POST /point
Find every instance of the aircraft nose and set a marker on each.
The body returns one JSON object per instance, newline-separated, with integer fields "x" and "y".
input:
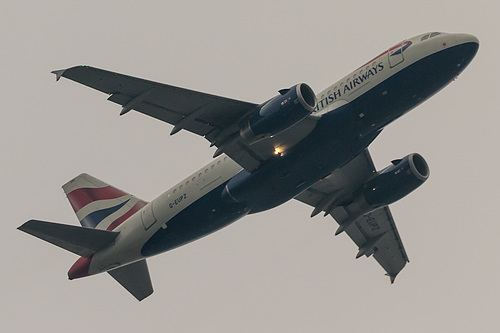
{"x": 471, "y": 39}
{"x": 464, "y": 46}
{"x": 80, "y": 268}
{"x": 461, "y": 39}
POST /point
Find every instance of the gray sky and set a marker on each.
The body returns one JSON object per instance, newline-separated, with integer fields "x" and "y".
{"x": 277, "y": 271}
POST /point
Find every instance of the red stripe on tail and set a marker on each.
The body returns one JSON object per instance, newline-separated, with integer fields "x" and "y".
{"x": 81, "y": 197}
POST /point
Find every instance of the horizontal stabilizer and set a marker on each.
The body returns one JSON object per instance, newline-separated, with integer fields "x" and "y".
{"x": 135, "y": 278}
{"x": 79, "y": 240}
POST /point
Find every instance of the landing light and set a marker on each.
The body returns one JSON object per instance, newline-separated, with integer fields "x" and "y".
{"x": 278, "y": 151}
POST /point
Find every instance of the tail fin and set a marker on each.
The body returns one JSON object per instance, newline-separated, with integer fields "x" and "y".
{"x": 82, "y": 241}
{"x": 99, "y": 205}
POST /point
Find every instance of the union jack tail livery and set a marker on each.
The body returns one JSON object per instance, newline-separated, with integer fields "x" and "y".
{"x": 100, "y": 208}
{"x": 99, "y": 205}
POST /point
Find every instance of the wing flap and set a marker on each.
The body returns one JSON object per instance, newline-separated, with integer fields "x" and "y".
{"x": 376, "y": 234}
{"x": 160, "y": 112}
{"x": 135, "y": 278}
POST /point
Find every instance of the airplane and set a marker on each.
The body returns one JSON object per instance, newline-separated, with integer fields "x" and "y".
{"x": 296, "y": 145}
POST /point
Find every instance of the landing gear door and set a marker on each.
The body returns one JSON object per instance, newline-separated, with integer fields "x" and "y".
{"x": 147, "y": 216}
{"x": 395, "y": 55}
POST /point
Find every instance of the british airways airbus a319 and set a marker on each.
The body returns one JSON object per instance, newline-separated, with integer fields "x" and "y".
{"x": 297, "y": 145}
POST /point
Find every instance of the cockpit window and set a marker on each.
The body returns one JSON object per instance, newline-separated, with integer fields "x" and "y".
{"x": 434, "y": 34}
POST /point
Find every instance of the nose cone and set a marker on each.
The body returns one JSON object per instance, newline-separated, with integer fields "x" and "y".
{"x": 80, "y": 268}
{"x": 466, "y": 39}
{"x": 468, "y": 43}
{"x": 459, "y": 50}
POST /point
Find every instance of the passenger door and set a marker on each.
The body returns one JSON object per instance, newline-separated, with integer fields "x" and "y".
{"x": 395, "y": 55}
{"x": 147, "y": 216}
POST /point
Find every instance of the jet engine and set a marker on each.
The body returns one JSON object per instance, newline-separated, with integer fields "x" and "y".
{"x": 388, "y": 186}
{"x": 280, "y": 113}
{"x": 396, "y": 181}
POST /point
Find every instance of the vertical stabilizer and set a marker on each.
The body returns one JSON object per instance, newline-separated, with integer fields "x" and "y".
{"x": 99, "y": 205}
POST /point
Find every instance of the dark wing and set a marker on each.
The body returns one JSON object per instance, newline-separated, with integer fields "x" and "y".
{"x": 216, "y": 118}
{"x": 193, "y": 111}
{"x": 374, "y": 233}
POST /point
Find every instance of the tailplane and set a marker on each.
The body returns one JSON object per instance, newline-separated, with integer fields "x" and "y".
{"x": 135, "y": 278}
{"x": 82, "y": 241}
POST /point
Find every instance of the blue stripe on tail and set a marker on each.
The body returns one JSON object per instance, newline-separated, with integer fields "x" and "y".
{"x": 93, "y": 219}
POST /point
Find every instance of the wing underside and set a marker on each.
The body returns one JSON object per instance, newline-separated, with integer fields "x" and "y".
{"x": 374, "y": 233}
{"x": 218, "y": 119}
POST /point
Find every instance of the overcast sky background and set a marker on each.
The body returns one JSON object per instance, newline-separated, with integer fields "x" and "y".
{"x": 278, "y": 271}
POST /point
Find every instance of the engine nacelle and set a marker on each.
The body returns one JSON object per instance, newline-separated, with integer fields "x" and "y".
{"x": 396, "y": 181}
{"x": 280, "y": 113}
{"x": 389, "y": 185}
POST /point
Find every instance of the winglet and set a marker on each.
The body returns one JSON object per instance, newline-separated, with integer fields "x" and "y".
{"x": 58, "y": 73}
